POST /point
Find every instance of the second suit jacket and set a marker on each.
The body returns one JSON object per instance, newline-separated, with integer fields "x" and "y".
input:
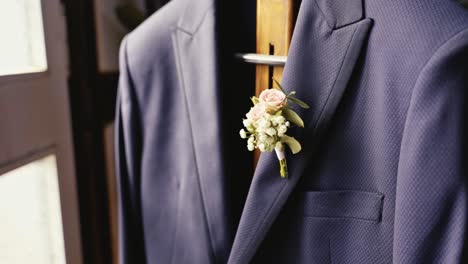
{"x": 380, "y": 179}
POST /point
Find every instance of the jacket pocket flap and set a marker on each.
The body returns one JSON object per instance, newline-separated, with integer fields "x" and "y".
{"x": 342, "y": 204}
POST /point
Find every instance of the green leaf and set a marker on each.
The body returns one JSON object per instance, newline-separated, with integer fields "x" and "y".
{"x": 280, "y": 112}
{"x": 293, "y": 117}
{"x": 279, "y": 86}
{"x": 292, "y": 143}
{"x": 254, "y": 100}
{"x": 299, "y": 102}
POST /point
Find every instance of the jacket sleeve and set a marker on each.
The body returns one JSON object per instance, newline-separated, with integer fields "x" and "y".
{"x": 128, "y": 156}
{"x": 431, "y": 193}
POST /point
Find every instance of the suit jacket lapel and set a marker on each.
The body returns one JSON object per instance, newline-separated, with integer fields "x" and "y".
{"x": 194, "y": 44}
{"x": 322, "y": 56}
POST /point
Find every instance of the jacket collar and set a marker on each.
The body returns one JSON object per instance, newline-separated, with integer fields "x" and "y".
{"x": 323, "y": 53}
{"x": 193, "y": 14}
{"x": 325, "y": 47}
{"x": 195, "y": 48}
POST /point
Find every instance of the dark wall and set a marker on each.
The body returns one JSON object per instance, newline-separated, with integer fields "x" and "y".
{"x": 92, "y": 101}
{"x": 153, "y": 5}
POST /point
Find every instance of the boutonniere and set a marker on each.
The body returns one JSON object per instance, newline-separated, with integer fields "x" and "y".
{"x": 268, "y": 122}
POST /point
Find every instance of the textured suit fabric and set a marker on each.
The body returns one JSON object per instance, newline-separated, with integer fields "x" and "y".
{"x": 181, "y": 166}
{"x": 381, "y": 178}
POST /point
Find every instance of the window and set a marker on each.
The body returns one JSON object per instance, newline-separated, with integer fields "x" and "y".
{"x": 22, "y": 46}
{"x": 30, "y": 215}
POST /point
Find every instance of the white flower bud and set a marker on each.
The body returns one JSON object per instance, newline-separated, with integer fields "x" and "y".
{"x": 247, "y": 122}
{"x": 271, "y": 131}
{"x": 260, "y": 130}
{"x": 250, "y": 147}
{"x": 279, "y": 120}
{"x": 262, "y": 137}
{"x": 264, "y": 123}
{"x": 287, "y": 123}
{"x": 262, "y": 147}
{"x": 281, "y": 130}
{"x": 242, "y": 133}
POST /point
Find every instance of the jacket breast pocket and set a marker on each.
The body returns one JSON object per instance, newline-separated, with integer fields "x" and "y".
{"x": 356, "y": 205}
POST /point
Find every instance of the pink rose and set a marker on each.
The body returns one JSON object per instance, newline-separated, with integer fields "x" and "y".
{"x": 256, "y": 112}
{"x": 273, "y": 99}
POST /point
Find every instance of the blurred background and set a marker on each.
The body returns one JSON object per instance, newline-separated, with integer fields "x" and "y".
{"x": 58, "y": 84}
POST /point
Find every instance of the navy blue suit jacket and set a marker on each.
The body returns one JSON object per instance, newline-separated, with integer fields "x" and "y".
{"x": 381, "y": 177}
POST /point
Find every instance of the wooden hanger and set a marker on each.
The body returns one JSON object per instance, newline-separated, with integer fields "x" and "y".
{"x": 274, "y": 31}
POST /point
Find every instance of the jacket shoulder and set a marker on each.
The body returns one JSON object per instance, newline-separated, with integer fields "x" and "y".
{"x": 151, "y": 41}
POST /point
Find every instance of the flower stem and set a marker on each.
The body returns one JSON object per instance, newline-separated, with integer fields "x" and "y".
{"x": 283, "y": 169}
